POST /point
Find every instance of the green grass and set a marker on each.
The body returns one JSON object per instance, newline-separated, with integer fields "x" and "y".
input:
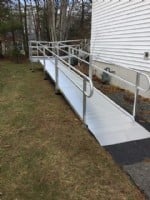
{"x": 46, "y": 154}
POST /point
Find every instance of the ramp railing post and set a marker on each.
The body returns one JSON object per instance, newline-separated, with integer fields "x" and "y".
{"x": 90, "y": 67}
{"x": 56, "y": 70}
{"x": 57, "y": 48}
{"x": 84, "y": 101}
{"x": 30, "y": 55}
{"x": 29, "y": 50}
{"x": 44, "y": 54}
{"x": 36, "y": 49}
{"x": 69, "y": 55}
{"x": 137, "y": 81}
{"x": 56, "y": 75}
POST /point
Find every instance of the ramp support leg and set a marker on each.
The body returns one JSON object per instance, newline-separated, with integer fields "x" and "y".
{"x": 69, "y": 55}
{"x": 57, "y": 91}
{"x": 84, "y": 101}
{"x": 136, "y": 94}
{"x": 45, "y": 73}
{"x": 90, "y": 67}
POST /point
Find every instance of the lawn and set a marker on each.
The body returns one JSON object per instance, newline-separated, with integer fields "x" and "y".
{"x": 46, "y": 153}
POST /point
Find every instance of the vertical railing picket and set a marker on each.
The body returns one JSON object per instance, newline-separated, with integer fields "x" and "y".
{"x": 30, "y": 55}
{"x": 69, "y": 55}
{"x": 90, "y": 67}
{"x": 44, "y": 54}
{"x": 136, "y": 93}
{"x": 56, "y": 70}
{"x": 84, "y": 101}
{"x": 56, "y": 74}
{"x": 36, "y": 49}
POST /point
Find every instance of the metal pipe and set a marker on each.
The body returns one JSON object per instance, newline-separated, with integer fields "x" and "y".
{"x": 56, "y": 75}
{"x": 90, "y": 68}
{"x": 69, "y": 58}
{"x": 73, "y": 55}
{"x": 146, "y": 76}
{"x": 37, "y": 49}
{"x": 45, "y": 75}
{"x": 77, "y": 71}
{"x": 127, "y": 82}
{"x": 89, "y": 80}
{"x": 84, "y": 101}
{"x": 29, "y": 44}
{"x": 137, "y": 81}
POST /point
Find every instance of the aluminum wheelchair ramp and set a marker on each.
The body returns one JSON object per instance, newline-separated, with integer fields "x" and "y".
{"x": 108, "y": 122}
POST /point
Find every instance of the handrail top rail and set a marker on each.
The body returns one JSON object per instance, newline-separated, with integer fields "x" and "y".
{"x": 75, "y": 70}
{"x": 104, "y": 61}
{"x": 54, "y": 42}
{"x": 130, "y": 83}
{"x": 133, "y": 70}
{"x": 51, "y": 50}
{"x": 79, "y": 50}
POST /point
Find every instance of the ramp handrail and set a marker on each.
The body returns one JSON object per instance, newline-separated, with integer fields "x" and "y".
{"x": 113, "y": 75}
{"x": 58, "y": 46}
{"x": 85, "y": 78}
{"x": 137, "y": 80}
{"x": 71, "y": 67}
{"x": 133, "y": 70}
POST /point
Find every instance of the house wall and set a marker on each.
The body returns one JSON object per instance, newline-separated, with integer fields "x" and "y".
{"x": 120, "y": 35}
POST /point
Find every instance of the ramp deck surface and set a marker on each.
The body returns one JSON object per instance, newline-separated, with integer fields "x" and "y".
{"x": 108, "y": 122}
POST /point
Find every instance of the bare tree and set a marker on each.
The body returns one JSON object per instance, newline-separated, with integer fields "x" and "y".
{"x": 37, "y": 20}
{"x": 25, "y": 26}
{"x": 52, "y": 19}
{"x": 22, "y": 27}
{"x": 63, "y": 20}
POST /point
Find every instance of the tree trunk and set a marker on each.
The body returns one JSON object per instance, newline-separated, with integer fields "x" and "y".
{"x": 52, "y": 20}
{"x": 82, "y": 15}
{"x": 37, "y": 20}
{"x": 26, "y": 28}
{"x": 46, "y": 32}
{"x": 22, "y": 26}
{"x": 63, "y": 19}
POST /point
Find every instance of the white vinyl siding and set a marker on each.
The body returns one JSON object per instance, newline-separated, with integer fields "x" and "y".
{"x": 121, "y": 32}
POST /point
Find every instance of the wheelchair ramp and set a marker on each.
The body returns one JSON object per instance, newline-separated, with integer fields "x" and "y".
{"x": 108, "y": 122}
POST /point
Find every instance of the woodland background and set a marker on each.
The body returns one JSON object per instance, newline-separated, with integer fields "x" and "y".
{"x": 47, "y": 20}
